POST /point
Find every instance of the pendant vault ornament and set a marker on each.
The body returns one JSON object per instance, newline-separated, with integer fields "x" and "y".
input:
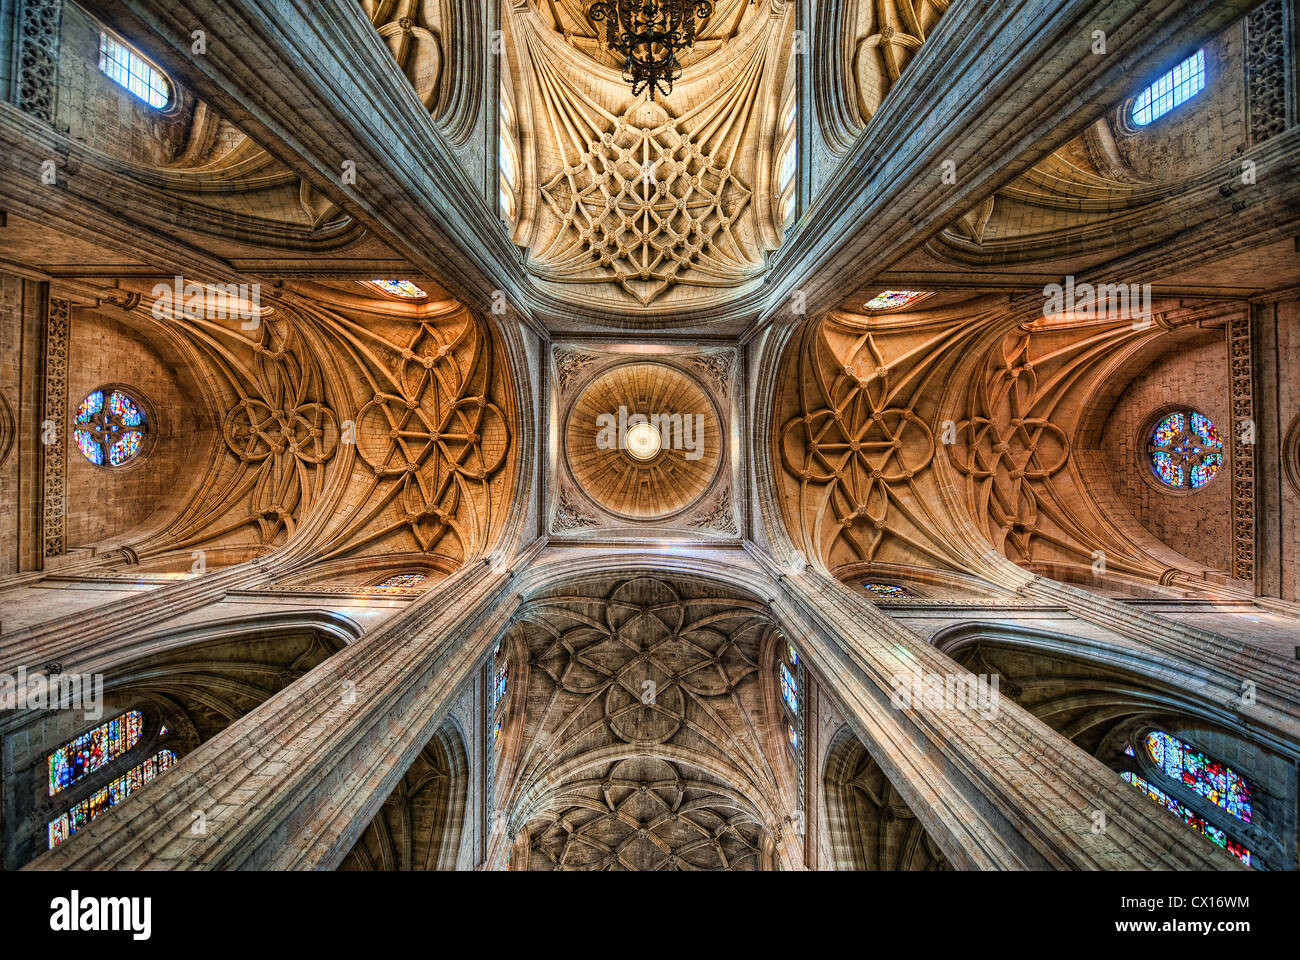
{"x": 649, "y": 35}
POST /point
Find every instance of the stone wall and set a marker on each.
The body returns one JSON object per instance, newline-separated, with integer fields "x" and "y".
{"x": 1196, "y": 524}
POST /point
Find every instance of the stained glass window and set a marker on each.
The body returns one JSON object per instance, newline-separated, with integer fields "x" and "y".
{"x": 1216, "y": 782}
{"x": 108, "y": 796}
{"x": 789, "y": 689}
{"x": 109, "y": 427}
{"x": 133, "y": 71}
{"x": 792, "y": 737}
{"x": 1186, "y": 450}
{"x": 90, "y": 751}
{"x": 400, "y": 288}
{"x": 1176, "y": 87}
{"x": 791, "y": 655}
{"x": 1191, "y": 819}
{"x": 500, "y": 681}
{"x": 893, "y": 299}
{"x": 887, "y": 591}
{"x": 402, "y": 581}
{"x": 163, "y": 731}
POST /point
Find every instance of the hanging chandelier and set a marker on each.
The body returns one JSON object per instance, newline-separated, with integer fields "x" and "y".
{"x": 649, "y": 34}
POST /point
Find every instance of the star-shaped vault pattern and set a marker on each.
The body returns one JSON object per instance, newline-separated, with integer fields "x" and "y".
{"x": 646, "y": 206}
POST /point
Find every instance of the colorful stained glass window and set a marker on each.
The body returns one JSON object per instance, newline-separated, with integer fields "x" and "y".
{"x": 790, "y": 655}
{"x": 500, "y": 681}
{"x": 402, "y": 581}
{"x": 1174, "y": 88}
{"x": 133, "y": 71}
{"x": 887, "y": 591}
{"x": 1218, "y": 783}
{"x": 789, "y": 689}
{"x": 1128, "y": 748}
{"x": 163, "y": 731}
{"x": 109, "y": 428}
{"x": 893, "y": 299}
{"x": 792, "y": 737}
{"x": 1186, "y": 450}
{"x": 109, "y": 796}
{"x": 1197, "y": 823}
{"x": 91, "y": 751}
{"x": 400, "y": 288}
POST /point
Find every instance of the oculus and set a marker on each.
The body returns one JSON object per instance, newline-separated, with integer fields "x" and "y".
{"x": 643, "y": 442}
{"x": 109, "y": 427}
{"x": 1185, "y": 450}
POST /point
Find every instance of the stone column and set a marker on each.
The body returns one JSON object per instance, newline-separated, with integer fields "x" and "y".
{"x": 996, "y": 789}
{"x": 293, "y": 784}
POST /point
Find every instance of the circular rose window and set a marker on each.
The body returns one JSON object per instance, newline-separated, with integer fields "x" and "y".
{"x": 110, "y": 427}
{"x": 1185, "y": 450}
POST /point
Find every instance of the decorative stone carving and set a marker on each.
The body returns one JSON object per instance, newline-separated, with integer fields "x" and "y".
{"x": 850, "y": 445}
{"x": 719, "y": 515}
{"x": 285, "y": 435}
{"x": 569, "y": 365}
{"x": 1266, "y": 71}
{"x": 1243, "y": 453}
{"x": 649, "y": 205}
{"x": 39, "y": 26}
{"x": 716, "y": 368}
{"x": 569, "y": 515}
{"x": 1007, "y": 452}
{"x": 55, "y": 428}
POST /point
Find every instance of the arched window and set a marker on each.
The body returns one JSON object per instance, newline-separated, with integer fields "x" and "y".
{"x": 789, "y": 674}
{"x": 1185, "y": 450}
{"x": 1214, "y": 781}
{"x": 403, "y": 289}
{"x": 130, "y": 70}
{"x": 109, "y": 427}
{"x": 787, "y": 153}
{"x": 108, "y": 796}
{"x": 94, "y": 749}
{"x": 1197, "y": 823}
{"x": 886, "y": 591}
{"x": 1174, "y": 88}
{"x": 497, "y": 693}
{"x": 402, "y": 581}
{"x": 1192, "y": 770}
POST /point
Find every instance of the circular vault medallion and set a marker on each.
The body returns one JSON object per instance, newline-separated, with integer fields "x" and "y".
{"x": 643, "y": 441}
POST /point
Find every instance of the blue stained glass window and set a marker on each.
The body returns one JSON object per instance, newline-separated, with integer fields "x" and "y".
{"x": 789, "y": 689}
{"x": 94, "y": 749}
{"x": 1173, "y": 89}
{"x": 109, "y": 428}
{"x": 792, "y": 737}
{"x": 108, "y": 796}
{"x": 400, "y": 288}
{"x": 887, "y": 591}
{"x": 1186, "y": 450}
{"x": 1218, "y": 783}
{"x": 893, "y": 299}
{"x": 402, "y": 581}
{"x": 1191, "y": 819}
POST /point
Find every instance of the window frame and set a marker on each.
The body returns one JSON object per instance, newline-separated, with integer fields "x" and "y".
{"x": 107, "y": 35}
